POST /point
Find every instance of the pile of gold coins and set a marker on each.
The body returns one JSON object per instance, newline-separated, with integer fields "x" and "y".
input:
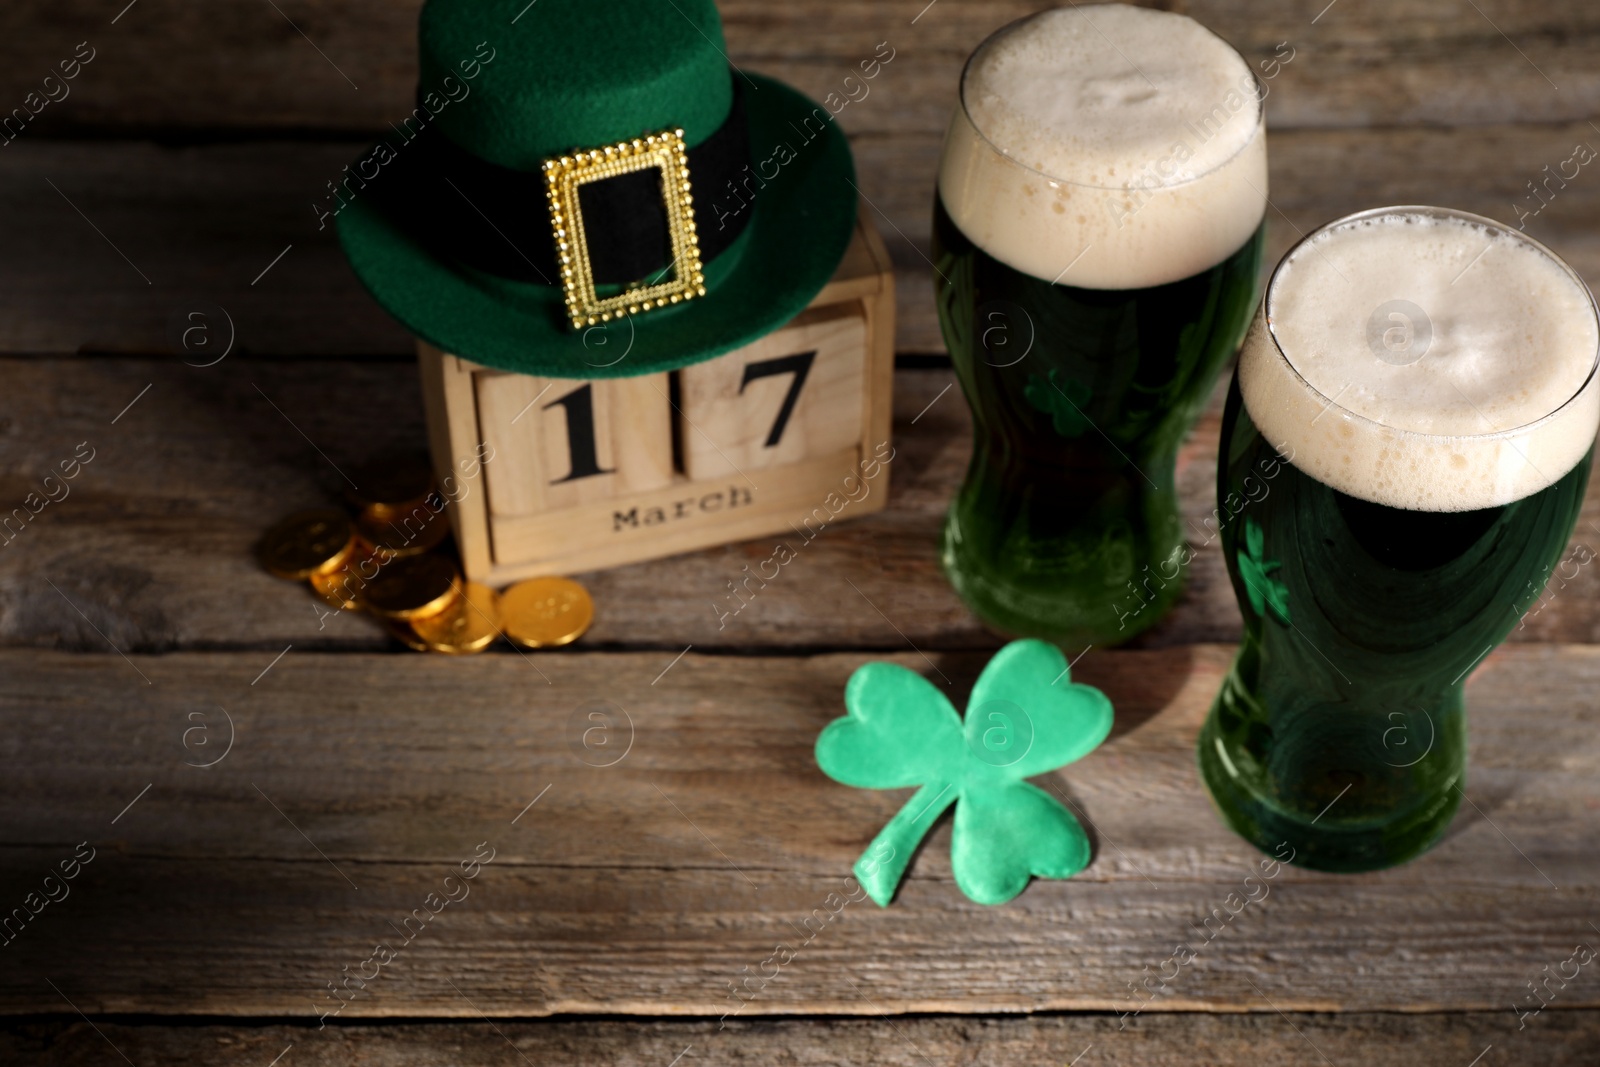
{"x": 394, "y": 561}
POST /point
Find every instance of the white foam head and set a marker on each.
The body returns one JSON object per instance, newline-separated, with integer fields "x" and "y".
{"x": 1107, "y": 147}
{"x": 1427, "y": 359}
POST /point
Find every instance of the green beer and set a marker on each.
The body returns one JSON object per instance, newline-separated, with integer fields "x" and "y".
{"x": 1381, "y": 545}
{"x": 1097, "y": 240}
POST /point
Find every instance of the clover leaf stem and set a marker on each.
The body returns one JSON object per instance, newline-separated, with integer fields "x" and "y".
{"x": 884, "y": 862}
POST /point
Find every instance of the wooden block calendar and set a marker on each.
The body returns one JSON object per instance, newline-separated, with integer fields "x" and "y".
{"x": 580, "y": 475}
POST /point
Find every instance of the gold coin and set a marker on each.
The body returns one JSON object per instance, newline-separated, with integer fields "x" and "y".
{"x": 544, "y": 612}
{"x": 469, "y": 625}
{"x": 412, "y": 587}
{"x": 339, "y": 588}
{"x": 392, "y": 486}
{"x": 307, "y": 542}
{"x": 395, "y": 534}
{"x": 401, "y": 631}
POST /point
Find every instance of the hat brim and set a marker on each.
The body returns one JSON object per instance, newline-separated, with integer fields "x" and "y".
{"x": 801, "y": 222}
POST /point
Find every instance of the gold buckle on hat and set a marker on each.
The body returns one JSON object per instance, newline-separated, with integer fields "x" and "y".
{"x": 563, "y": 177}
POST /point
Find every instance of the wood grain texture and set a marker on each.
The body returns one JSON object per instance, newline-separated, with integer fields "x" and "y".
{"x": 1556, "y": 1039}
{"x": 731, "y": 418}
{"x": 663, "y": 865}
{"x": 154, "y": 543}
{"x": 626, "y": 423}
{"x": 199, "y": 225}
{"x": 351, "y": 64}
{"x": 669, "y": 861}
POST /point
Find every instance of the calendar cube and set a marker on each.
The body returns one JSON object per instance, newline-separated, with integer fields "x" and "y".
{"x": 574, "y": 475}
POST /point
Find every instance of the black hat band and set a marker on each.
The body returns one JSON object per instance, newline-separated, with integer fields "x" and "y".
{"x": 496, "y": 219}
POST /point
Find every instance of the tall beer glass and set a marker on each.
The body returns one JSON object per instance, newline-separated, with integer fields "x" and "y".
{"x": 1097, "y": 241}
{"x": 1404, "y": 452}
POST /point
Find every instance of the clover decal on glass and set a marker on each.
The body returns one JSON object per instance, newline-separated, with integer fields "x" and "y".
{"x": 1256, "y": 570}
{"x": 1062, "y": 398}
{"x": 1025, "y": 717}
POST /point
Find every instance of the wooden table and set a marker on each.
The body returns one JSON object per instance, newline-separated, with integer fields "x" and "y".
{"x": 618, "y": 910}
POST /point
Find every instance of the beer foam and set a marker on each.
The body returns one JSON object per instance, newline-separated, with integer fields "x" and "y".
{"x": 1425, "y": 359}
{"x": 1106, "y": 147}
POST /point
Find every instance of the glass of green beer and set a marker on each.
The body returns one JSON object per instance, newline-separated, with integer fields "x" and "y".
{"x": 1404, "y": 453}
{"x": 1097, "y": 244}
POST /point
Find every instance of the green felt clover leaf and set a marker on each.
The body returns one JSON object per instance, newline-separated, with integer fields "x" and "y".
{"x": 1062, "y": 399}
{"x": 1256, "y": 570}
{"x": 1025, "y": 717}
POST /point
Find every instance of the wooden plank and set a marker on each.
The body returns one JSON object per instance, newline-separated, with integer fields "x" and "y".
{"x": 185, "y": 230}
{"x": 657, "y": 868}
{"x": 154, "y": 542}
{"x": 246, "y": 66}
{"x": 201, "y": 224}
{"x": 1561, "y": 1039}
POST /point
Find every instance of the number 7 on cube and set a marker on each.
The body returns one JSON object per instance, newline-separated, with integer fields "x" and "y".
{"x": 790, "y": 396}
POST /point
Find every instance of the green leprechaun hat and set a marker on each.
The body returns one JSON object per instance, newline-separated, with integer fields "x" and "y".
{"x": 574, "y": 167}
